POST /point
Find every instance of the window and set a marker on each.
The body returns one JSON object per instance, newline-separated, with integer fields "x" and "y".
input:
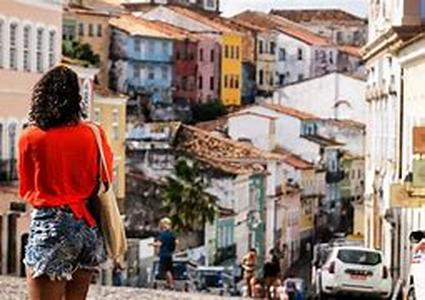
{"x": 300, "y": 54}
{"x": 237, "y": 52}
{"x": 226, "y": 51}
{"x": 212, "y": 55}
{"x": 232, "y": 52}
{"x": 339, "y": 37}
{"x": 151, "y": 46}
{"x": 282, "y": 54}
{"x": 137, "y": 45}
{"x": 115, "y": 124}
{"x": 212, "y": 83}
{"x": 300, "y": 77}
{"x": 1, "y": 43}
{"x": 236, "y": 82}
{"x": 272, "y": 48}
{"x": 52, "y": 40}
{"x": 231, "y": 82}
{"x": 136, "y": 72}
{"x": 165, "y": 48}
{"x": 201, "y": 54}
{"x": 39, "y": 50}
{"x": 261, "y": 77}
{"x": 13, "y": 50}
{"x": 271, "y": 80}
{"x": 151, "y": 73}
{"x": 281, "y": 79}
{"x": 178, "y": 55}
{"x": 331, "y": 57}
{"x": 27, "y": 49}
{"x": 210, "y": 3}
{"x": 164, "y": 72}
{"x": 81, "y": 29}
{"x": 226, "y": 81}
{"x": 96, "y": 117}
{"x": 200, "y": 82}
{"x": 99, "y": 30}
{"x": 260, "y": 47}
{"x": 91, "y": 30}
{"x": 12, "y": 140}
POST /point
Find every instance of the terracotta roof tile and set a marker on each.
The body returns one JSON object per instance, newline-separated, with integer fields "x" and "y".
{"x": 323, "y": 141}
{"x": 252, "y": 113}
{"x": 289, "y": 111}
{"x": 209, "y": 21}
{"x": 222, "y": 153}
{"x": 344, "y": 123}
{"x": 293, "y": 160}
{"x": 351, "y": 50}
{"x": 213, "y": 125}
{"x": 139, "y": 26}
{"x": 317, "y": 15}
{"x": 273, "y": 22}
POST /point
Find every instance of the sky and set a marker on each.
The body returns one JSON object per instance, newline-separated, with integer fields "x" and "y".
{"x": 232, "y": 7}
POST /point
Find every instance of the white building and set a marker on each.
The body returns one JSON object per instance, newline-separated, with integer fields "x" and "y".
{"x": 331, "y": 96}
{"x": 299, "y": 53}
{"x": 390, "y": 121}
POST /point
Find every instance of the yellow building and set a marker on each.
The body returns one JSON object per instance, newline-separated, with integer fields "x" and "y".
{"x": 109, "y": 111}
{"x": 231, "y": 69}
{"x": 90, "y": 26}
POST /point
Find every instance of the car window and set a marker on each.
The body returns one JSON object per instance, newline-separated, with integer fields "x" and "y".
{"x": 359, "y": 257}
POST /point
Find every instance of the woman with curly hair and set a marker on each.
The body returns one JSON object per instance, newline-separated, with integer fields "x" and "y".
{"x": 58, "y": 167}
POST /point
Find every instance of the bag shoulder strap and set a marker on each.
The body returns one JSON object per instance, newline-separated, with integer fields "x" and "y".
{"x": 103, "y": 164}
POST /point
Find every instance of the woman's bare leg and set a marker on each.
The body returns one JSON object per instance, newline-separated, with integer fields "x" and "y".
{"x": 77, "y": 288}
{"x": 42, "y": 288}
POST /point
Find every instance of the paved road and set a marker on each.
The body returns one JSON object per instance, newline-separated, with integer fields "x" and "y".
{"x": 12, "y": 288}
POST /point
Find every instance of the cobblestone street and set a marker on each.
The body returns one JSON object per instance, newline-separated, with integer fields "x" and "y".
{"x": 12, "y": 288}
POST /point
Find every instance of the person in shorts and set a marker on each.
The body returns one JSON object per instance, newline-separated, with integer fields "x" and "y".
{"x": 249, "y": 264}
{"x": 166, "y": 245}
{"x": 58, "y": 166}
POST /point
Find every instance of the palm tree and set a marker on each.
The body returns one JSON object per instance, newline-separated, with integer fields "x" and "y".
{"x": 185, "y": 199}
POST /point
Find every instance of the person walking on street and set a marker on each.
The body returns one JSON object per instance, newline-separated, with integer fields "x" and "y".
{"x": 58, "y": 166}
{"x": 249, "y": 264}
{"x": 166, "y": 244}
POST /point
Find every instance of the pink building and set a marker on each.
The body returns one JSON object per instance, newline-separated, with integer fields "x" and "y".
{"x": 30, "y": 43}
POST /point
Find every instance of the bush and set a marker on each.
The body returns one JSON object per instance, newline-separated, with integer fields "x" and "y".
{"x": 207, "y": 111}
{"x": 82, "y": 52}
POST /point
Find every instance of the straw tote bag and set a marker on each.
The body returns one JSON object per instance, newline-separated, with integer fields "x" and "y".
{"x": 107, "y": 212}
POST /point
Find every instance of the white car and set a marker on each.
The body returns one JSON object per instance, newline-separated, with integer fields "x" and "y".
{"x": 416, "y": 283}
{"x": 353, "y": 270}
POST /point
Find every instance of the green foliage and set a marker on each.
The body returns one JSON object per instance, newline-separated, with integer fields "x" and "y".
{"x": 207, "y": 111}
{"x": 187, "y": 203}
{"x": 82, "y": 52}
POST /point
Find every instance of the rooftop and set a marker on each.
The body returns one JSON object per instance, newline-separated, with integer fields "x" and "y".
{"x": 224, "y": 154}
{"x": 351, "y": 50}
{"x": 139, "y": 26}
{"x": 323, "y": 141}
{"x": 293, "y": 160}
{"x": 317, "y": 15}
{"x": 274, "y": 22}
{"x": 289, "y": 111}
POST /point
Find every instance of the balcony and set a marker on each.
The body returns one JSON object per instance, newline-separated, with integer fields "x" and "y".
{"x": 404, "y": 195}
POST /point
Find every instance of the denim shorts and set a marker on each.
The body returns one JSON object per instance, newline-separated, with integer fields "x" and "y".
{"x": 59, "y": 244}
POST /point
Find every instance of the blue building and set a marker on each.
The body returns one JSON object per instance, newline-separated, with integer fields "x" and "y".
{"x": 140, "y": 59}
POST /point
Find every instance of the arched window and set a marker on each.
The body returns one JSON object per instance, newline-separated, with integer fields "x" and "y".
{"x": 1, "y": 43}
{"x": 52, "y": 40}
{"x": 13, "y": 50}
{"x": 39, "y": 50}
{"x": 27, "y": 48}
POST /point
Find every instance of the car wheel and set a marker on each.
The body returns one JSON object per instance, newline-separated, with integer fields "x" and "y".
{"x": 411, "y": 294}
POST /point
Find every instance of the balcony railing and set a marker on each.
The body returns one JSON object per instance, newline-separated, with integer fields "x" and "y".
{"x": 335, "y": 177}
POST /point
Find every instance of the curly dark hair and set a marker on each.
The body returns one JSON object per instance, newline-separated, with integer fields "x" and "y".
{"x": 56, "y": 99}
